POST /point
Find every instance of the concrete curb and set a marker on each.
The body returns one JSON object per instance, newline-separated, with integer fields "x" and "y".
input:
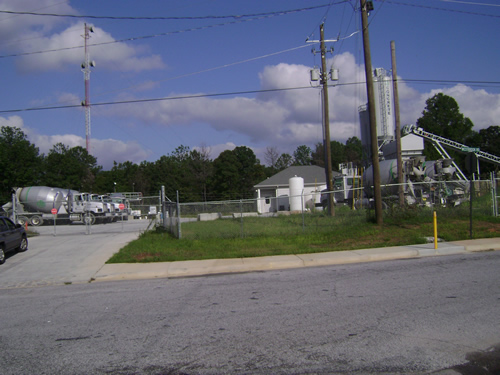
{"x": 136, "y": 271}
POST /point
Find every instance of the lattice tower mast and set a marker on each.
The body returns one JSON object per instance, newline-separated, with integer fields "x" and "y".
{"x": 86, "y": 76}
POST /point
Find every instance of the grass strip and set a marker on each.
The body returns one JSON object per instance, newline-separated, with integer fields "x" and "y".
{"x": 301, "y": 234}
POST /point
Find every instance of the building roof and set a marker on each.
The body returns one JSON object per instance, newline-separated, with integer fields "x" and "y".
{"x": 312, "y": 174}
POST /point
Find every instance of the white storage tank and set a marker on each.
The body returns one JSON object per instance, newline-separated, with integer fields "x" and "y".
{"x": 296, "y": 185}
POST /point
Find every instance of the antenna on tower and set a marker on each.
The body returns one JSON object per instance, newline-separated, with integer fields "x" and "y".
{"x": 86, "y": 77}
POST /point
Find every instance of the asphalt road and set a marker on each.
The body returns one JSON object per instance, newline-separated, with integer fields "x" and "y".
{"x": 417, "y": 316}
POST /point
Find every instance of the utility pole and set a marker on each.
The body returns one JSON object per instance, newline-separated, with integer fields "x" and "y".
{"x": 398, "y": 125}
{"x": 326, "y": 122}
{"x": 86, "y": 76}
{"x": 371, "y": 111}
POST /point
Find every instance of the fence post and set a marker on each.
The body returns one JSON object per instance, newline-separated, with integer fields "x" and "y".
{"x": 14, "y": 208}
{"x": 471, "y": 199}
{"x": 494, "y": 197}
{"x": 435, "y": 230}
{"x": 179, "y": 233}
{"x": 302, "y": 208}
{"x": 241, "y": 218}
{"x": 86, "y": 216}
{"x": 163, "y": 207}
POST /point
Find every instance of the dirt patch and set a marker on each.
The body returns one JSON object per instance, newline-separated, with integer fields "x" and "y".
{"x": 144, "y": 257}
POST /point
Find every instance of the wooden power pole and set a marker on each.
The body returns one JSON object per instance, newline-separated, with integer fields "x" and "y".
{"x": 398, "y": 125}
{"x": 371, "y": 112}
{"x": 326, "y": 122}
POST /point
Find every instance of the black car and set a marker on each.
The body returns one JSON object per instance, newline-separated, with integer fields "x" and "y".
{"x": 12, "y": 238}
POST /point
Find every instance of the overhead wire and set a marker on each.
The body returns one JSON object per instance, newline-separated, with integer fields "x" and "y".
{"x": 210, "y": 69}
{"x": 239, "y": 19}
{"x": 372, "y": 17}
{"x": 469, "y": 3}
{"x": 172, "y": 18}
{"x": 242, "y": 19}
{"x": 198, "y": 96}
{"x": 131, "y": 101}
{"x": 440, "y": 9}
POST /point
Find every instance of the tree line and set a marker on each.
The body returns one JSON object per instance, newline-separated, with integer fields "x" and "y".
{"x": 194, "y": 174}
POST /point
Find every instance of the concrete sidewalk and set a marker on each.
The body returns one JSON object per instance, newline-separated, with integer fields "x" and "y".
{"x": 135, "y": 271}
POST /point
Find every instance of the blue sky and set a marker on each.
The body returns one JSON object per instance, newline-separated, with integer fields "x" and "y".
{"x": 202, "y": 52}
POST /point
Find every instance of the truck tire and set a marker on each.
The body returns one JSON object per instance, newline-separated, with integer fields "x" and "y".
{"x": 36, "y": 221}
{"x": 89, "y": 218}
{"x": 22, "y": 220}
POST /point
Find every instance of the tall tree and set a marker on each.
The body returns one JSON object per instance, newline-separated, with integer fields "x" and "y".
{"x": 318, "y": 155}
{"x": 442, "y": 117}
{"x": 235, "y": 174}
{"x": 338, "y": 154}
{"x": 271, "y": 156}
{"x": 284, "y": 161}
{"x": 488, "y": 140}
{"x": 71, "y": 168}
{"x": 302, "y": 155}
{"x": 122, "y": 177}
{"x": 200, "y": 169}
{"x": 20, "y": 162}
{"x": 353, "y": 150}
{"x": 225, "y": 180}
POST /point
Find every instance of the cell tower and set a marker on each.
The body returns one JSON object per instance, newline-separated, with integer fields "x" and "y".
{"x": 86, "y": 77}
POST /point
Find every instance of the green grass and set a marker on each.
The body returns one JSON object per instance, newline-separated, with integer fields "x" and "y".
{"x": 309, "y": 233}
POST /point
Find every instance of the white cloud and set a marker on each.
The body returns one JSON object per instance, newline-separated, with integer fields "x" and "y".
{"x": 109, "y": 150}
{"x": 284, "y": 118}
{"x": 481, "y": 107}
{"x": 12, "y": 121}
{"x": 16, "y": 29}
{"x": 34, "y": 34}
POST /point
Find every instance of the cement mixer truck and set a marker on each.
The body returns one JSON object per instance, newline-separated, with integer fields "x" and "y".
{"x": 35, "y": 204}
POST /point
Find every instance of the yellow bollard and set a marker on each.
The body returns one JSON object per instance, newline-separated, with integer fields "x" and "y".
{"x": 435, "y": 231}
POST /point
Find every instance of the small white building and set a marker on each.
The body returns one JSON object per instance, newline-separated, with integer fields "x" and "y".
{"x": 273, "y": 194}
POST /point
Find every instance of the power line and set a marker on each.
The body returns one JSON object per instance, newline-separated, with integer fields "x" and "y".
{"x": 441, "y": 9}
{"x": 470, "y": 3}
{"x": 451, "y": 82}
{"x": 132, "y": 38}
{"x": 173, "y": 18}
{"x": 211, "y": 69}
{"x": 244, "y": 18}
{"x": 198, "y": 96}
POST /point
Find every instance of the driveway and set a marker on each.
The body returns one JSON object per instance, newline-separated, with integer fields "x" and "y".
{"x": 67, "y": 253}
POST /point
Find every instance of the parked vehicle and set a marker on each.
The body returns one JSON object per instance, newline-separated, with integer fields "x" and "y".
{"x": 116, "y": 206}
{"x": 12, "y": 238}
{"x": 35, "y": 204}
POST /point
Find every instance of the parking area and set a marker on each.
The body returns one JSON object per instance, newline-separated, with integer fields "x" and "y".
{"x": 67, "y": 254}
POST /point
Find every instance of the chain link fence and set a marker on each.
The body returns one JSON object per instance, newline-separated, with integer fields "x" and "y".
{"x": 241, "y": 217}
